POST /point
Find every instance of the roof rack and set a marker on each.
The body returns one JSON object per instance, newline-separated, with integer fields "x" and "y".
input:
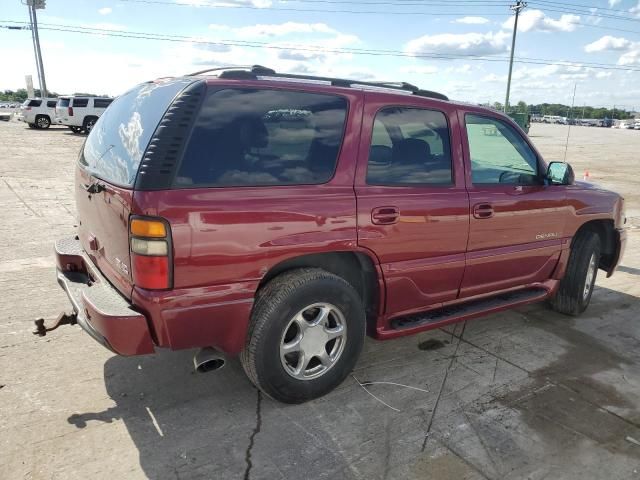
{"x": 257, "y": 72}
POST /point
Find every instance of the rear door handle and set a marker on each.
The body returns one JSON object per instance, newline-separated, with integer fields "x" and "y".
{"x": 482, "y": 210}
{"x": 385, "y": 215}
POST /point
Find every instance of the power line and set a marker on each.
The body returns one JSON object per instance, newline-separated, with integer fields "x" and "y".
{"x": 588, "y": 7}
{"x": 314, "y": 10}
{"x": 314, "y": 49}
{"x": 581, "y": 12}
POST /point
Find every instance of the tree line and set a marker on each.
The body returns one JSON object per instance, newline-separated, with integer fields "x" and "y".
{"x": 558, "y": 109}
{"x": 21, "y": 95}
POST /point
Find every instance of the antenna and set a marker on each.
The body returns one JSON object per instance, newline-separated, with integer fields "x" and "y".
{"x": 566, "y": 146}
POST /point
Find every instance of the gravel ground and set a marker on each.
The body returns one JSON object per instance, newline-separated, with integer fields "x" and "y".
{"x": 525, "y": 394}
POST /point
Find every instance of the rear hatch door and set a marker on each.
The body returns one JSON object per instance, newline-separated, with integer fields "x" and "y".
{"x": 106, "y": 173}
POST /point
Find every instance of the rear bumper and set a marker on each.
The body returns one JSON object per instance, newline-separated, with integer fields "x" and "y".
{"x": 101, "y": 311}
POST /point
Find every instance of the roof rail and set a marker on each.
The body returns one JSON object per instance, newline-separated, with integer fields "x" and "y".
{"x": 256, "y": 72}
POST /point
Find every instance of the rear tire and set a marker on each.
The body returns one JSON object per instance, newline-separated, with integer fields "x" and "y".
{"x": 76, "y": 129}
{"x": 306, "y": 334}
{"x": 31, "y": 125}
{"x": 575, "y": 290}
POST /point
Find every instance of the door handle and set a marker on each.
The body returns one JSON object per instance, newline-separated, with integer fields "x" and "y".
{"x": 482, "y": 210}
{"x": 385, "y": 215}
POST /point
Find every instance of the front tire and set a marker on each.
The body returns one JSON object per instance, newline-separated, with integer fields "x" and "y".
{"x": 306, "y": 334}
{"x": 575, "y": 290}
{"x": 43, "y": 122}
{"x": 88, "y": 124}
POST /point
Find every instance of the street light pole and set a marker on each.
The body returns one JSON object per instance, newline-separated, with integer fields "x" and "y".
{"x": 34, "y": 5}
{"x": 35, "y": 49}
{"x": 516, "y": 8}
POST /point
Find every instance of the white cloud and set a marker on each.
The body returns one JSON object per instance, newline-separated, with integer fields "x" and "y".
{"x": 276, "y": 30}
{"x": 105, "y": 11}
{"x": 420, "y": 69}
{"x": 466, "y": 43}
{"x": 536, "y": 20}
{"x": 608, "y": 43}
{"x": 472, "y": 20}
{"x": 635, "y": 10}
{"x": 603, "y": 74}
{"x": 613, "y": 3}
{"x": 227, "y": 3}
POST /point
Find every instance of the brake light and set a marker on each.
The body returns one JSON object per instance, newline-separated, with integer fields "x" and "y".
{"x": 150, "y": 246}
{"x": 27, "y": 108}
{"x": 70, "y": 111}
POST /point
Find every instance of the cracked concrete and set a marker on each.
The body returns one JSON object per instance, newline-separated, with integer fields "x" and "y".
{"x": 521, "y": 394}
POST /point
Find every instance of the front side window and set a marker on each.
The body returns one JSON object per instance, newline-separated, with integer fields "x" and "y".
{"x": 263, "y": 137}
{"x": 409, "y": 146}
{"x": 499, "y": 155}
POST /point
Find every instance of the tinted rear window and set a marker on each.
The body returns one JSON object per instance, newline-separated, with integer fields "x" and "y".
{"x": 115, "y": 146}
{"x": 32, "y": 103}
{"x": 63, "y": 102}
{"x": 51, "y": 103}
{"x": 264, "y": 137}
{"x": 102, "y": 102}
{"x": 80, "y": 102}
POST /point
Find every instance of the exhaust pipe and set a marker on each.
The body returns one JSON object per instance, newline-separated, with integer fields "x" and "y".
{"x": 208, "y": 359}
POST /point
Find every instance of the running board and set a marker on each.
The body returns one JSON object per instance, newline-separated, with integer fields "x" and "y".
{"x": 468, "y": 310}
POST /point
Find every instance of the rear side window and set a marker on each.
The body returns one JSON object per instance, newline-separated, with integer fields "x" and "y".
{"x": 264, "y": 137}
{"x": 80, "y": 102}
{"x": 51, "y": 103}
{"x": 102, "y": 102}
{"x": 63, "y": 102}
{"x": 115, "y": 146}
{"x": 32, "y": 103}
{"x": 409, "y": 146}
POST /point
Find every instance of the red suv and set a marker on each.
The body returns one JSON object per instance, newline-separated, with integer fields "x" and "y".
{"x": 281, "y": 217}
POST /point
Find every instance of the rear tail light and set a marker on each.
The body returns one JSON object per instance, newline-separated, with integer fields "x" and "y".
{"x": 27, "y": 108}
{"x": 70, "y": 110}
{"x": 150, "y": 244}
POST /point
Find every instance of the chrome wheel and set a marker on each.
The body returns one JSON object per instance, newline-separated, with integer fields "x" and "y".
{"x": 313, "y": 341}
{"x": 591, "y": 273}
{"x": 43, "y": 122}
{"x": 89, "y": 125}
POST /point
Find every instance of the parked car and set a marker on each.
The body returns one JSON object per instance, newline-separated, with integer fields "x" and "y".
{"x": 279, "y": 218}
{"x": 80, "y": 113}
{"x": 37, "y": 112}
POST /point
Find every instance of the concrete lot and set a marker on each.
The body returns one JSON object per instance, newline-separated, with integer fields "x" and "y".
{"x": 525, "y": 394}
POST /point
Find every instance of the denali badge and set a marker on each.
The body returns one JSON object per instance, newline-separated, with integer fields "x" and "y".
{"x": 122, "y": 266}
{"x": 544, "y": 236}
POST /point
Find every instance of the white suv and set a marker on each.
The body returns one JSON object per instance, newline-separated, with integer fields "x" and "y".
{"x": 37, "y": 112}
{"x": 80, "y": 113}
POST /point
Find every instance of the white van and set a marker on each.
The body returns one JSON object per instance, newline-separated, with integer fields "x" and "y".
{"x": 80, "y": 113}
{"x": 37, "y": 112}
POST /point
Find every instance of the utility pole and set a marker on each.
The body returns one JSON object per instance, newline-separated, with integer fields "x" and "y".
{"x": 516, "y": 8}
{"x": 34, "y": 5}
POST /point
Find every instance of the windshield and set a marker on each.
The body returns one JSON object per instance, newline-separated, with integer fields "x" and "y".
{"x": 115, "y": 146}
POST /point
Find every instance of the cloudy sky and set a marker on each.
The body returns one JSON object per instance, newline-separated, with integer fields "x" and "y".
{"x": 458, "y": 47}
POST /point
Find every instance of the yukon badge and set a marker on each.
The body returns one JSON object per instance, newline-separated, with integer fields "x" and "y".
{"x": 545, "y": 236}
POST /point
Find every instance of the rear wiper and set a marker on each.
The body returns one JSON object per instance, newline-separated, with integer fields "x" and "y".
{"x": 95, "y": 187}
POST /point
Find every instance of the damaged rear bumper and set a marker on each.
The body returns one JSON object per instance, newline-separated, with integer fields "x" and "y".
{"x": 100, "y": 309}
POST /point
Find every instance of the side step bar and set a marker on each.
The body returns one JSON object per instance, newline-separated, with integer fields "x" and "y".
{"x": 465, "y": 311}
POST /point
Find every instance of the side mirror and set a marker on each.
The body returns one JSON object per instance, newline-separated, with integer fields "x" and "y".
{"x": 560, "y": 173}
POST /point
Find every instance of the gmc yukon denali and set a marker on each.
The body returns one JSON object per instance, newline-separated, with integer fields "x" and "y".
{"x": 281, "y": 218}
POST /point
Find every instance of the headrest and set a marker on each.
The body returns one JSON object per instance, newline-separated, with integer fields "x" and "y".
{"x": 411, "y": 150}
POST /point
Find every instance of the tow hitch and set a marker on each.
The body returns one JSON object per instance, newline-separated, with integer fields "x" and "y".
{"x": 63, "y": 319}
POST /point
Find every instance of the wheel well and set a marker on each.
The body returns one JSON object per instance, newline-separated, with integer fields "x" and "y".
{"x": 354, "y": 267}
{"x": 43, "y": 115}
{"x": 606, "y": 231}
{"x": 89, "y": 117}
